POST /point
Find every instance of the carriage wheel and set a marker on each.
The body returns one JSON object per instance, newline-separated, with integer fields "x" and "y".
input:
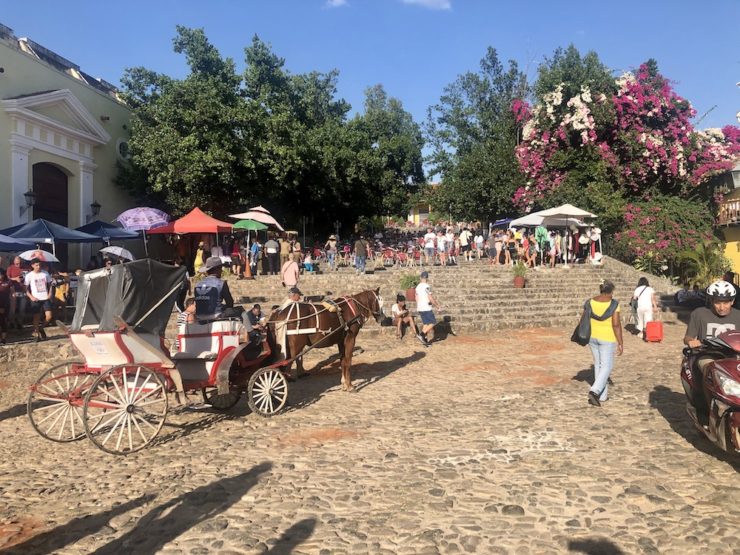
{"x": 267, "y": 392}
{"x": 125, "y": 409}
{"x": 221, "y": 402}
{"x": 55, "y": 403}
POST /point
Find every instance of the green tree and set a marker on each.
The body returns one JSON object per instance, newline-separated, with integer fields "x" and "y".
{"x": 221, "y": 140}
{"x": 473, "y": 132}
{"x": 395, "y": 142}
{"x": 183, "y": 145}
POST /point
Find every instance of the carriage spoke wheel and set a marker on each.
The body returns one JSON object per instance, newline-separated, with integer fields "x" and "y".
{"x": 226, "y": 401}
{"x": 55, "y": 403}
{"x": 125, "y": 409}
{"x": 267, "y": 392}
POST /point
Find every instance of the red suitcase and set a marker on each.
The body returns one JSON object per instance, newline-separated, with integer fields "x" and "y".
{"x": 654, "y": 332}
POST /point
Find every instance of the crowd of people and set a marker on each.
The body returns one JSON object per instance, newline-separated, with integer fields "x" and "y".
{"x": 445, "y": 246}
{"x": 31, "y": 290}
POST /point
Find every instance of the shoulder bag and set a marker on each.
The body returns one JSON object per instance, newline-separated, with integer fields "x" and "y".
{"x": 582, "y": 333}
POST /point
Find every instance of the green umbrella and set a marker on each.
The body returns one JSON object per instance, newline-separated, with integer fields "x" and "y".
{"x": 250, "y": 225}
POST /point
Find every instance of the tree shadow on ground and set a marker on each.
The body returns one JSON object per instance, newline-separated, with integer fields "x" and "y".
{"x": 594, "y": 546}
{"x": 16, "y": 410}
{"x": 74, "y": 530}
{"x": 672, "y": 406}
{"x": 318, "y": 383}
{"x": 293, "y": 536}
{"x": 169, "y": 520}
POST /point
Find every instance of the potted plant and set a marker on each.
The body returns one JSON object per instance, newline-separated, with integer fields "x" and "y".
{"x": 520, "y": 271}
{"x": 408, "y": 284}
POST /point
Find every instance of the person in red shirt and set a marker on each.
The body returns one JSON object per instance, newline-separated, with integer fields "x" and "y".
{"x": 18, "y": 294}
{"x": 6, "y": 289}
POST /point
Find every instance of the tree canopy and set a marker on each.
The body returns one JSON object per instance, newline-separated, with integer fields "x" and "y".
{"x": 473, "y": 132}
{"x": 223, "y": 140}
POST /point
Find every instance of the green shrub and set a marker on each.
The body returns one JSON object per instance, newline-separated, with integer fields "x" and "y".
{"x": 408, "y": 281}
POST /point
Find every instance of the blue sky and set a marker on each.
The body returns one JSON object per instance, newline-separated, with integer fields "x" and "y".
{"x": 413, "y": 47}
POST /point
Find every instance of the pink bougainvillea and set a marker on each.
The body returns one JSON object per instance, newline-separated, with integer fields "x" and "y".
{"x": 643, "y": 133}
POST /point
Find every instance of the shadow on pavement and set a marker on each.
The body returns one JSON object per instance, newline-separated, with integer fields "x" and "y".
{"x": 293, "y": 536}
{"x": 443, "y": 329}
{"x": 169, "y": 520}
{"x": 13, "y": 412}
{"x": 73, "y": 531}
{"x": 672, "y": 406}
{"x": 585, "y": 375}
{"x": 209, "y": 418}
{"x": 311, "y": 389}
{"x": 594, "y": 546}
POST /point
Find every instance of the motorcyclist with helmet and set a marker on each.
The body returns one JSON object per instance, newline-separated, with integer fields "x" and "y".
{"x": 706, "y": 323}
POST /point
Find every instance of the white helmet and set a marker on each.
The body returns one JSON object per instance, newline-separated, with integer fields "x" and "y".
{"x": 721, "y": 291}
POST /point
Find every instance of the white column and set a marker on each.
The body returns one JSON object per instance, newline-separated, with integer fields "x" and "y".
{"x": 86, "y": 198}
{"x": 20, "y": 183}
{"x": 86, "y": 191}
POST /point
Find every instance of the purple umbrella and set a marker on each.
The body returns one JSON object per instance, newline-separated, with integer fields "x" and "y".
{"x": 142, "y": 219}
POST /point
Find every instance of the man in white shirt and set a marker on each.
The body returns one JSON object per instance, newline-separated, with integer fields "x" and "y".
{"x": 39, "y": 291}
{"x": 429, "y": 241}
{"x": 424, "y": 304}
{"x": 442, "y": 247}
{"x": 465, "y": 237}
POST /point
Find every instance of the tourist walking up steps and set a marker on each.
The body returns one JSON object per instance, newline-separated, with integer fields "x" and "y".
{"x": 424, "y": 303}
{"x": 606, "y": 338}
{"x": 360, "y": 254}
{"x": 645, "y": 303}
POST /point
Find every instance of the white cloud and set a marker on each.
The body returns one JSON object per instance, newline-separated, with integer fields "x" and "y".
{"x": 431, "y": 4}
{"x": 335, "y": 3}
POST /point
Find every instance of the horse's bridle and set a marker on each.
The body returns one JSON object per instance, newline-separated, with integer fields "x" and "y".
{"x": 378, "y": 299}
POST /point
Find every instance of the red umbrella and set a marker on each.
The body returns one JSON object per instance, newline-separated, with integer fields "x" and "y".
{"x": 195, "y": 221}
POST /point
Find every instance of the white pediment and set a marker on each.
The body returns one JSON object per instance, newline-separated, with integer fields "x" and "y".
{"x": 60, "y": 111}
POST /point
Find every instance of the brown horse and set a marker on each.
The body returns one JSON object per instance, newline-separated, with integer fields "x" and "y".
{"x": 297, "y": 325}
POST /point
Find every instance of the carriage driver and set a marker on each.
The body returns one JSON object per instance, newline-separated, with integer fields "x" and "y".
{"x": 213, "y": 299}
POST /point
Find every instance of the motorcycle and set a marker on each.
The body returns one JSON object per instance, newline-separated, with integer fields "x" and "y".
{"x": 717, "y": 416}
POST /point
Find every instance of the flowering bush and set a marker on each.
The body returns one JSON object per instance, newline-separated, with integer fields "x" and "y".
{"x": 641, "y": 131}
{"x": 660, "y": 229}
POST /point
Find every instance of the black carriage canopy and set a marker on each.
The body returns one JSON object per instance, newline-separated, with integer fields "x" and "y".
{"x": 141, "y": 293}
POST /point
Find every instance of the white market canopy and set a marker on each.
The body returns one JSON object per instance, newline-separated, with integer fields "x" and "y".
{"x": 258, "y": 214}
{"x": 560, "y": 216}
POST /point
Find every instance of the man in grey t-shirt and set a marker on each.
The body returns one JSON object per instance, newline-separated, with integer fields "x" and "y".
{"x": 706, "y": 323}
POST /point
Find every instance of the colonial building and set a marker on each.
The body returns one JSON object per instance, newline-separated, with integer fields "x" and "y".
{"x": 61, "y": 133}
{"x": 728, "y": 218}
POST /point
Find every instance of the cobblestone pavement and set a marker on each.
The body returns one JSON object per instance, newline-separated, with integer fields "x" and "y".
{"x": 479, "y": 444}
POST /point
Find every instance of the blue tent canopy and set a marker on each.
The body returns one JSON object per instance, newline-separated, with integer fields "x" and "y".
{"x": 105, "y": 231}
{"x": 43, "y": 231}
{"x": 502, "y": 222}
{"x": 11, "y": 230}
{"x": 11, "y": 244}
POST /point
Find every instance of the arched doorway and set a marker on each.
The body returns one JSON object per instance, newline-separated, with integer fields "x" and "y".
{"x": 52, "y": 201}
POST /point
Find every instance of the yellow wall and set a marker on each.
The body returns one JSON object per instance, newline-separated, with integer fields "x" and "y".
{"x": 732, "y": 246}
{"x": 24, "y": 75}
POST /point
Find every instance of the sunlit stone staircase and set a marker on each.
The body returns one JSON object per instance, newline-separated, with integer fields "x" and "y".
{"x": 475, "y": 296}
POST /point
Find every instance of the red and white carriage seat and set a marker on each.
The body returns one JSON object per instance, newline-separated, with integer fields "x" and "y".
{"x": 103, "y": 349}
{"x": 202, "y": 345}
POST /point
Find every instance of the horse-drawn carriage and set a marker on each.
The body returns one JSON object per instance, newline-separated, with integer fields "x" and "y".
{"x": 118, "y": 393}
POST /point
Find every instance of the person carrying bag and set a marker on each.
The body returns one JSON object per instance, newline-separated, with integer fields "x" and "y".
{"x": 605, "y": 337}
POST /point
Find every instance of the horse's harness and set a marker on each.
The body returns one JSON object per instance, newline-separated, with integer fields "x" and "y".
{"x": 332, "y": 306}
